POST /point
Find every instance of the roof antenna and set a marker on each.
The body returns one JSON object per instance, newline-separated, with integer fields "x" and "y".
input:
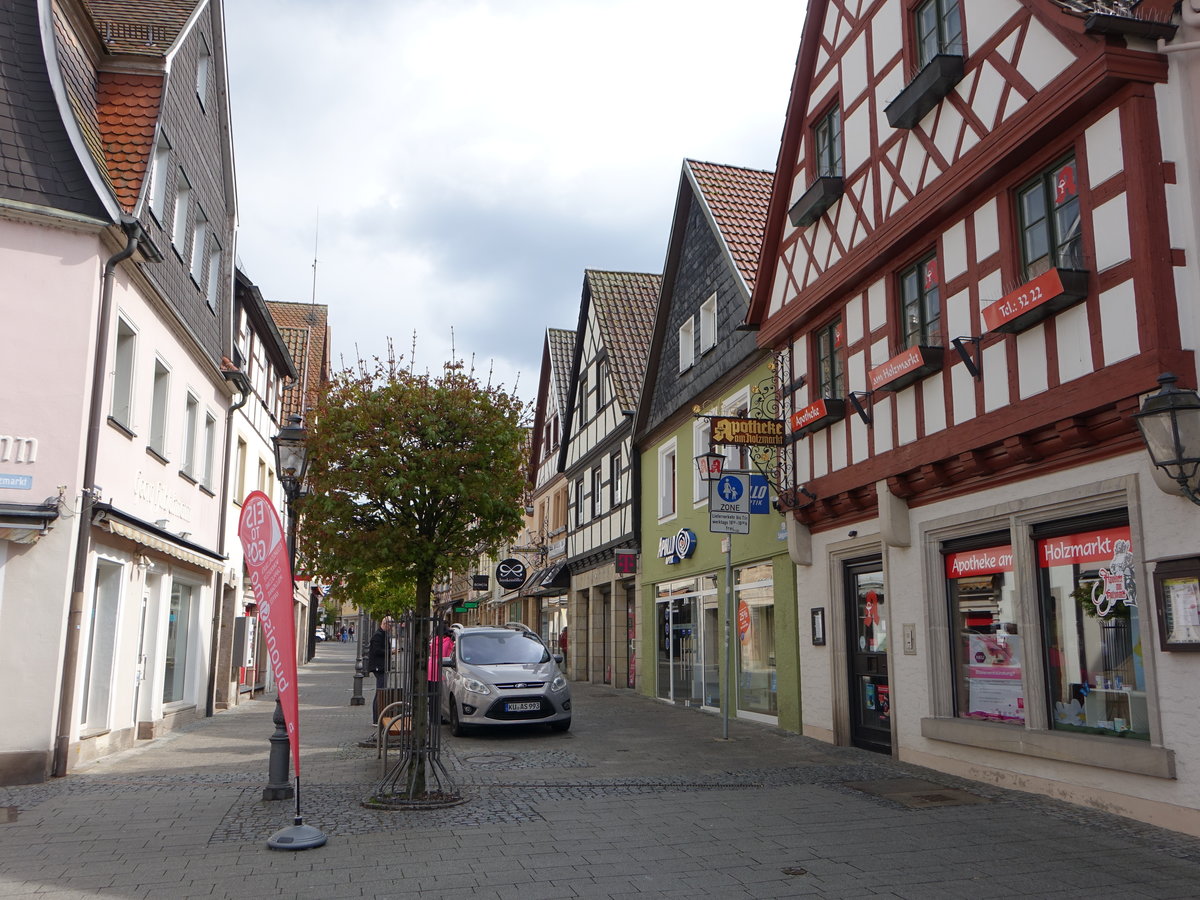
{"x": 312, "y": 317}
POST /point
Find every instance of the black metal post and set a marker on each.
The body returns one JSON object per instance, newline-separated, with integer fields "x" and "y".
{"x": 279, "y": 784}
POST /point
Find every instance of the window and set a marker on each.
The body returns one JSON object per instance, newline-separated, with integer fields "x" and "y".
{"x": 701, "y": 433}
{"x": 583, "y": 398}
{"x": 983, "y": 618}
{"x": 199, "y": 239}
{"x": 708, "y": 324}
{"x": 213, "y": 293}
{"x": 939, "y": 30}
{"x": 921, "y": 304}
{"x": 202, "y": 65}
{"x": 827, "y": 137}
{"x": 614, "y": 479}
{"x": 578, "y": 502}
{"x": 754, "y": 593}
{"x": 123, "y": 360}
{"x": 179, "y": 623}
{"x": 830, "y": 375}
{"x": 666, "y": 480}
{"x": 1049, "y": 221}
{"x": 158, "y": 178}
{"x": 597, "y": 474}
{"x": 262, "y": 477}
{"x": 191, "y": 416}
{"x": 183, "y": 199}
{"x": 210, "y": 446}
{"x": 239, "y": 474}
{"x": 100, "y": 652}
{"x": 158, "y": 409}
{"x": 687, "y": 344}
{"x": 241, "y": 343}
{"x": 737, "y": 456}
{"x": 601, "y": 384}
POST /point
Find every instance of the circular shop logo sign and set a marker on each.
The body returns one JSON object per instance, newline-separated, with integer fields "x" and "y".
{"x": 510, "y": 573}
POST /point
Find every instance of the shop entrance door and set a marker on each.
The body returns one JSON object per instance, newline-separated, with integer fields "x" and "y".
{"x": 866, "y": 628}
{"x": 678, "y": 639}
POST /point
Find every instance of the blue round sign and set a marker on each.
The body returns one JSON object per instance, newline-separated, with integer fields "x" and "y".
{"x": 730, "y": 489}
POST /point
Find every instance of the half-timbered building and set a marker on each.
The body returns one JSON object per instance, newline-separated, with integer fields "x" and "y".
{"x": 550, "y": 578}
{"x": 616, "y": 315}
{"x": 984, "y": 216}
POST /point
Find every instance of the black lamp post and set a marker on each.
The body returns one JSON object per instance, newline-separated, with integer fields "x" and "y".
{"x": 710, "y": 466}
{"x": 1170, "y": 425}
{"x": 291, "y": 461}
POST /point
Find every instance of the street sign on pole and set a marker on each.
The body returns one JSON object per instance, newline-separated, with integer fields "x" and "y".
{"x": 729, "y": 504}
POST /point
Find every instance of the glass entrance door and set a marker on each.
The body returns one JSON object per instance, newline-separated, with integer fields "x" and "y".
{"x": 866, "y": 628}
{"x": 678, "y": 633}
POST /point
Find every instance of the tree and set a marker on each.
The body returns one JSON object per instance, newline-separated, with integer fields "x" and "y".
{"x": 411, "y": 476}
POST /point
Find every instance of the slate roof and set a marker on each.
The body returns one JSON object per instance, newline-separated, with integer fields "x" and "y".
{"x": 38, "y": 164}
{"x": 144, "y": 27}
{"x": 737, "y": 199}
{"x": 127, "y": 108}
{"x": 304, "y": 328}
{"x": 562, "y": 346}
{"x": 624, "y": 304}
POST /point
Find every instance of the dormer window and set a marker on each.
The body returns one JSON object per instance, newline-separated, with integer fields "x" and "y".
{"x": 827, "y": 134}
{"x": 708, "y": 324}
{"x": 687, "y": 344}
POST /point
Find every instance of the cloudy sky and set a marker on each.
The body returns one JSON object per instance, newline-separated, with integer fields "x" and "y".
{"x": 457, "y": 164}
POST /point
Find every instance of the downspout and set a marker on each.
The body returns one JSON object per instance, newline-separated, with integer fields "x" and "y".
{"x": 83, "y": 539}
{"x": 242, "y": 383}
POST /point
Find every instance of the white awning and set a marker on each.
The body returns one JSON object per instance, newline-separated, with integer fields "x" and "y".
{"x": 170, "y": 548}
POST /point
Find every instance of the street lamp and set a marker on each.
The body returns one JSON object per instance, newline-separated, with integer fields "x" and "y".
{"x": 291, "y": 458}
{"x": 710, "y": 464}
{"x": 1170, "y": 426}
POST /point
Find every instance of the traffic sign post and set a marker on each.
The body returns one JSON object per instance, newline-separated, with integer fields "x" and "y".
{"x": 729, "y": 504}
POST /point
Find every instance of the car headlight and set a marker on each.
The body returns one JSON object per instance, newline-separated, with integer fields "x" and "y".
{"x": 559, "y": 683}
{"x": 475, "y": 686}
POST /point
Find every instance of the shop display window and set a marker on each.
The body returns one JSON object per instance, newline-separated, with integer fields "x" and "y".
{"x": 1092, "y": 631}
{"x": 988, "y": 655}
{"x": 754, "y": 590}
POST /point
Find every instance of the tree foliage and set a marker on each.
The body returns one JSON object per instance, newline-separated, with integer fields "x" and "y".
{"x": 410, "y": 476}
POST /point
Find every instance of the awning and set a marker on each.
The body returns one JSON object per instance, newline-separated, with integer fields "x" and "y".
{"x": 25, "y": 523}
{"x": 153, "y": 541}
{"x": 548, "y": 582}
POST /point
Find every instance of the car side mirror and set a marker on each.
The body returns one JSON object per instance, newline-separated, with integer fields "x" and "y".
{"x": 558, "y": 658}
{"x": 447, "y": 662}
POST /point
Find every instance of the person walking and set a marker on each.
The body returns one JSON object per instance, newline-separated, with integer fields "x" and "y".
{"x": 378, "y": 656}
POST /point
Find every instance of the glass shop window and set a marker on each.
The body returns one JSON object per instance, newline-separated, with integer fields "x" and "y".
{"x": 1091, "y": 620}
{"x": 988, "y": 655}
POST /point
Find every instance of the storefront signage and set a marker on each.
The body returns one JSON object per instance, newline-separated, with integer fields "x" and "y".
{"x": 986, "y": 561}
{"x": 747, "y": 432}
{"x": 677, "y": 547}
{"x": 510, "y": 573}
{"x": 903, "y": 369}
{"x": 16, "y": 482}
{"x": 625, "y": 562}
{"x": 1035, "y": 300}
{"x": 1116, "y": 582}
{"x": 743, "y": 620}
{"x": 816, "y": 416}
{"x": 760, "y": 495}
{"x": 479, "y": 582}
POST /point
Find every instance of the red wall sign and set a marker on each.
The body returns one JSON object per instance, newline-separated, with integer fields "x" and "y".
{"x": 986, "y": 561}
{"x": 743, "y": 620}
{"x": 895, "y": 367}
{"x": 814, "y": 412}
{"x": 1028, "y": 296}
{"x": 1086, "y": 547}
{"x": 266, "y": 552}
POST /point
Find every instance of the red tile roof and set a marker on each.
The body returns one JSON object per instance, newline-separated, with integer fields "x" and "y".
{"x": 127, "y": 107}
{"x": 738, "y": 200}
{"x": 304, "y": 328}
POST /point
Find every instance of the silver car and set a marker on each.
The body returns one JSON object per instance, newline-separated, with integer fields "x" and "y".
{"x": 503, "y": 675}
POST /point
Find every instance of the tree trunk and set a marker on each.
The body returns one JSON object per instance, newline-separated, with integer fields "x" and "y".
{"x": 421, "y": 691}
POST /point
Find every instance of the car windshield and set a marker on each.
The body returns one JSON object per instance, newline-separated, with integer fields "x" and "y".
{"x": 497, "y": 649}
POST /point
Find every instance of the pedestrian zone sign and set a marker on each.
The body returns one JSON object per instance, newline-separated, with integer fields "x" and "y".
{"x": 729, "y": 504}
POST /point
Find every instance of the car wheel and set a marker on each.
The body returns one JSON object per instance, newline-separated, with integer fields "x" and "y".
{"x": 563, "y": 725}
{"x": 457, "y": 728}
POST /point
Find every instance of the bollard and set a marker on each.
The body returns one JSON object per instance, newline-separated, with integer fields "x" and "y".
{"x": 357, "y": 699}
{"x": 279, "y": 786}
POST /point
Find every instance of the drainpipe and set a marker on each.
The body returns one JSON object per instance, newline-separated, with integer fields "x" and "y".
{"x": 242, "y": 383}
{"x": 66, "y": 700}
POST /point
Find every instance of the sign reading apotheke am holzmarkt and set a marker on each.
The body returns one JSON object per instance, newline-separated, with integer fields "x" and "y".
{"x": 747, "y": 432}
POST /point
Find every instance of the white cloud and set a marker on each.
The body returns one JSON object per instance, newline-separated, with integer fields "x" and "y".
{"x": 471, "y": 159}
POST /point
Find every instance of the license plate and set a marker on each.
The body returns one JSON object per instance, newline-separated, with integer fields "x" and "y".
{"x": 522, "y": 707}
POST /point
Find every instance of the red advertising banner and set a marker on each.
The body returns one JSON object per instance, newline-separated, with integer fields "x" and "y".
{"x": 986, "y": 561}
{"x": 743, "y": 620}
{"x": 895, "y": 367}
{"x": 1028, "y": 296}
{"x": 265, "y": 547}
{"x": 1100, "y": 546}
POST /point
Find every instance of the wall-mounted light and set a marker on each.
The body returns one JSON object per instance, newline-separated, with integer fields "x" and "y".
{"x": 1170, "y": 426}
{"x": 710, "y": 465}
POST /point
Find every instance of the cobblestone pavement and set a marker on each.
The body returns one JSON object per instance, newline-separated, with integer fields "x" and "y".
{"x": 639, "y": 799}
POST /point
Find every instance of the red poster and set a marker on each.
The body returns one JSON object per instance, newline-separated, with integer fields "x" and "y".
{"x": 266, "y": 551}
